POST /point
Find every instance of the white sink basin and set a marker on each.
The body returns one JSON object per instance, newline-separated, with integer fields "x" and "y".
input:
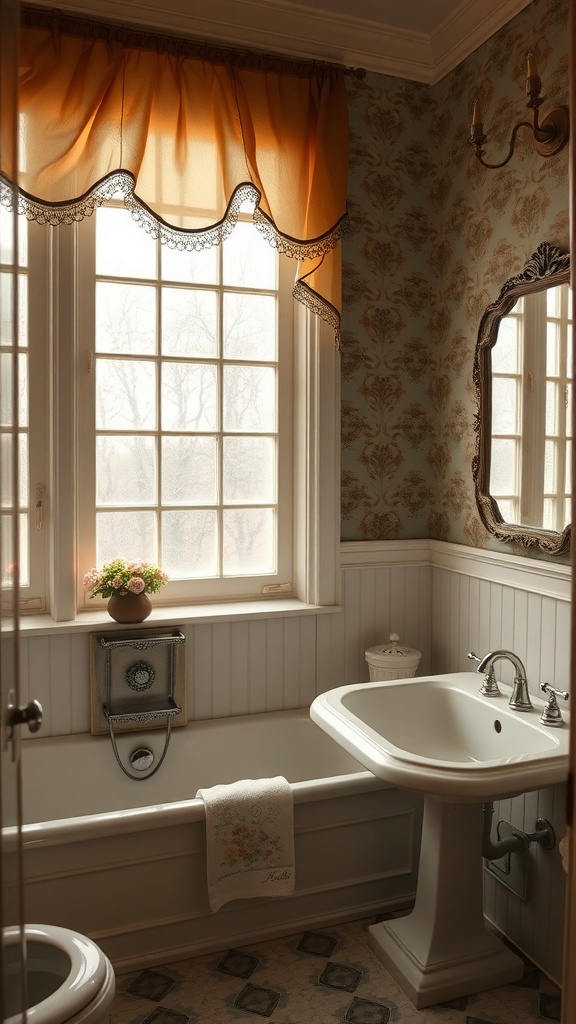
{"x": 438, "y": 735}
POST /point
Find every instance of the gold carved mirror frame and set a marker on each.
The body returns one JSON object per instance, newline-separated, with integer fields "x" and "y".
{"x": 547, "y": 267}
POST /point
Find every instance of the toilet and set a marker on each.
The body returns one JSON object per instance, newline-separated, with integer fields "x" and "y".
{"x": 70, "y": 980}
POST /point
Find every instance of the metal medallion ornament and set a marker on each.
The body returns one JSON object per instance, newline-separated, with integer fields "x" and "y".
{"x": 140, "y": 676}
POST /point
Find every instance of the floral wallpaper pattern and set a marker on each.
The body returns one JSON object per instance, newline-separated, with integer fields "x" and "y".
{"x": 434, "y": 236}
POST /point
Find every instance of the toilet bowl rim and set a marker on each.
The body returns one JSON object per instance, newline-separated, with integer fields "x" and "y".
{"x": 90, "y": 971}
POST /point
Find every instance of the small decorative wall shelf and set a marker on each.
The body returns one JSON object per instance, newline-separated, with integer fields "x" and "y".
{"x": 137, "y": 680}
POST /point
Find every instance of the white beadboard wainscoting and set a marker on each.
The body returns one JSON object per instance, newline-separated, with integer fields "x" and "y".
{"x": 443, "y": 599}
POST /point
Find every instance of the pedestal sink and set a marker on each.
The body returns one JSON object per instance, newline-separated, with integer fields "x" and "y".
{"x": 438, "y": 735}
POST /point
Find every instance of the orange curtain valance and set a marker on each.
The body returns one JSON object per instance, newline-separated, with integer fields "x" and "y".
{"x": 185, "y": 140}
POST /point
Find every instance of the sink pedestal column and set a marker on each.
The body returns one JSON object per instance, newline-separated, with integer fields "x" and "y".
{"x": 443, "y": 949}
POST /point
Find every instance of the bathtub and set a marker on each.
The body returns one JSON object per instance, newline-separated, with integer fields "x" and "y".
{"x": 124, "y": 862}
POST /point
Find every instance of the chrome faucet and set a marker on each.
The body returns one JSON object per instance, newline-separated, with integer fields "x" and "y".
{"x": 520, "y": 699}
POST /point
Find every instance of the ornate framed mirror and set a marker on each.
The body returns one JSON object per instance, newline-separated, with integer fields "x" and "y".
{"x": 522, "y": 376}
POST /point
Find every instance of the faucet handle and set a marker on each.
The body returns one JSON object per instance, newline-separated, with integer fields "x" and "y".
{"x": 552, "y": 715}
{"x": 489, "y": 687}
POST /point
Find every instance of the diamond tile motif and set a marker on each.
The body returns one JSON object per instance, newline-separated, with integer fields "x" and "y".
{"x": 282, "y": 981}
{"x": 364, "y": 1011}
{"x": 549, "y": 1006}
{"x": 317, "y": 944}
{"x": 340, "y": 976}
{"x": 165, "y": 1016}
{"x": 151, "y": 985}
{"x": 238, "y": 964}
{"x": 254, "y": 999}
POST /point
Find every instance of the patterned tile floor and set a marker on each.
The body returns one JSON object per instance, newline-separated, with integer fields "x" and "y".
{"x": 329, "y": 976}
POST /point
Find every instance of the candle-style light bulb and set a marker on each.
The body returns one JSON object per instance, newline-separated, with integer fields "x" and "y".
{"x": 532, "y": 66}
{"x": 476, "y": 113}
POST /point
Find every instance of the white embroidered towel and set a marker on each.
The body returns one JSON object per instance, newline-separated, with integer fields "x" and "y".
{"x": 249, "y": 839}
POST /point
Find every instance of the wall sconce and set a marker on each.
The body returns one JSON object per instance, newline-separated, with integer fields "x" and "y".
{"x": 550, "y": 135}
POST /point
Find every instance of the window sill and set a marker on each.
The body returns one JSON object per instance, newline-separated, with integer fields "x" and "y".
{"x": 177, "y": 615}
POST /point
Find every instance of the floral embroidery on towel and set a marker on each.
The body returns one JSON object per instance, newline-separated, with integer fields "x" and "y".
{"x": 253, "y": 842}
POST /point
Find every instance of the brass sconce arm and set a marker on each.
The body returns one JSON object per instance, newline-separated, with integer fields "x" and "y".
{"x": 550, "y": 135}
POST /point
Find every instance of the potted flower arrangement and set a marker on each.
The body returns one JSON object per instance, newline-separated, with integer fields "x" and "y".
{"x": 126, "y": 585}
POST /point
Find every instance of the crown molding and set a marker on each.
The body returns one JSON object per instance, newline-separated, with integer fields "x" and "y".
{"x": 469, "y": 25}
{"x": 296, "y": 30}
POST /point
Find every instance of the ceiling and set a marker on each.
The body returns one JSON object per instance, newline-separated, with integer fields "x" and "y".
{"x": 421, "y": 40}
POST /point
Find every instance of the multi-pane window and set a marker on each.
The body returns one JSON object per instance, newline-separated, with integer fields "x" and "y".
{"x": 14, "y": 402}
{"x": 531, "y": 411}
{"x": 184, "y": 389}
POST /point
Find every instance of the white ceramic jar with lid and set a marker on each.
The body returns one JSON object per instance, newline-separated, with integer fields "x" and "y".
{"x": 392, "y": 660}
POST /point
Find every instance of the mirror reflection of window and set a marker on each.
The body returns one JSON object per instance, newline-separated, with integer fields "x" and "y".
{"x": 531, "y": 411}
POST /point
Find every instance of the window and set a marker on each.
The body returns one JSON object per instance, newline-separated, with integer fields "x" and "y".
{"x": 531, "y": 412}
{"x": 190, "y": 419}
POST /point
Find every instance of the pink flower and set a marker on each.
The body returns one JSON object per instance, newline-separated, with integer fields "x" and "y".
{"x": 91, "y": 579}
{"x": 117, "y": 583}
{"x": 136, "y": 585}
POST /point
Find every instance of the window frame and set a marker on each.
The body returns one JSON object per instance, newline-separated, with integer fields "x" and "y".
{"x": 316, "y": 453}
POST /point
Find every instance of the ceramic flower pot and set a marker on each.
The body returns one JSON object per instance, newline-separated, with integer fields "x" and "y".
{"x": 130, "y": 608}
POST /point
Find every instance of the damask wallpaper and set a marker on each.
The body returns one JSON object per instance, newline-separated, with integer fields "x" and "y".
{"x": 434, "y": 236}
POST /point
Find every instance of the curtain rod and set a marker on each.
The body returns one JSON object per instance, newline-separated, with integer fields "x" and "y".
{"x": 142, "y": 39}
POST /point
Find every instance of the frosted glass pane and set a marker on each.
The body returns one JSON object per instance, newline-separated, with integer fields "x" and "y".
{"x": 503, "y": 469}
{"x": 553, "y": 300}
{"x": 6, "y": 475}
{"x": 505, "y": 406}
{"x": 130, "y": 535}
{"x": 550, "y": 465}
{"x": 549, "y": 514}
{"x": 7, "y": 417}
{"x": 125, "y": 318}
{"x": 569, "y": 349}
{"x": 23, "y": 390}
{"x": 249, "y": 470}
{"x": 189, "y": 396}
{"x": 9, "y": 220}
{"x": 189, "y": 322}
{"x": 248, "y": 261}
{"x": 249, "y": 326}
{"x": 125, "y": 394}
{"x": 189, "y": 471}
{"x": 569, "y": 409}
{"x": 7, "y": 224}
{"x": 6, "y": 402}
{"x": 505, "y": 353}
{"x": 552, "y": 350}
{"x": 7, "y": 310}
{"x": 249, "y": 399}
{"x": 248, "y": 541}
{"x": 123, "y": 247}
{"x": 190, "y": 544}
{"x": 190, "y": 267}
{"x": 24, "y": 550}
{"x": 568, "y": 487}
{"x": 8, "y": 557}
{"x": 22, "y": 310}
{"x": 552, "y": 399}
{"x": 126, "y": 470}
{"x": 508, "y": 510}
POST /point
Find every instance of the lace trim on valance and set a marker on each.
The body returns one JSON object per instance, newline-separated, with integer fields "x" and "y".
{"x": 321, "y": 307}
{"x": 120, "y": 185}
